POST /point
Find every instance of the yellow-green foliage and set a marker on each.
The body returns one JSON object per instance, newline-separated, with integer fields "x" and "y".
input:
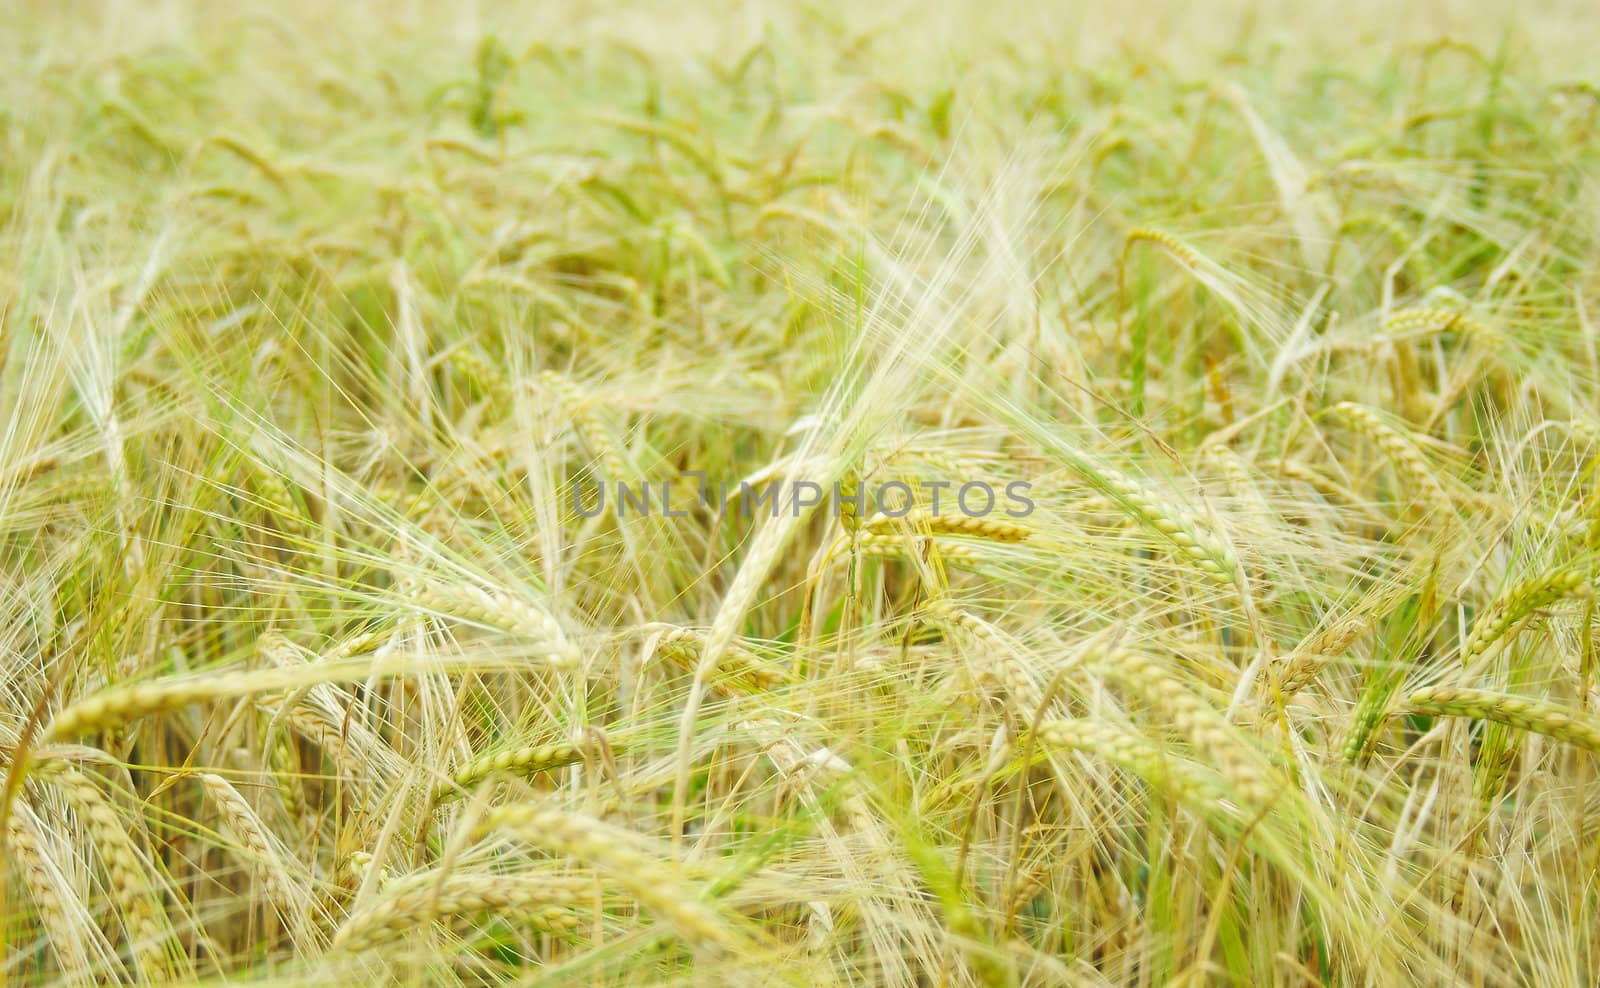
{"x": 323, "y": 328}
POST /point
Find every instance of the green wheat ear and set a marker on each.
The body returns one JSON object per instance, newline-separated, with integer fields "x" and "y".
{"x": 849, "y": 511}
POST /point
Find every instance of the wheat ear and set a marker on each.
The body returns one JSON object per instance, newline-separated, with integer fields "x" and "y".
{"x": 250, "y": 833}
{"x": 550, "y": 901}
{"x": 1302, "y": 665}
{"x": 1400, "y": 450}
{"x": 1428, "y": 319}
{"x": 115, "y": 707}
{"x": 619, "y": 857}
{"x": 993, "y": 529}
{"x": 489, "y": 379}
{"x": 42, "y": 878}
{"x": 738, "y": 663}
{"x": 1000, "y": 655}
{"x": 1515, "y": 604}
{"x": 893, "y": 545}
{"x": 1561, "y": 723}
{"x": 125, "y": 871}
{"x": 1131, "y": 753}
{"x": 526, "y": 760}
{"x": 1186, "y": 530}
{"x": 1205, "y": 727}
{"x": 500, "y": 611}
{"x": 592, "y": 430}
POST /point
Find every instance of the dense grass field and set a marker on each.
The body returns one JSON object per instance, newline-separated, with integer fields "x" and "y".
{"x": 324, "y": 327}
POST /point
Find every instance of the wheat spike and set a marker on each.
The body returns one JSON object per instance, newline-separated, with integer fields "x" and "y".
{"x": 738, "y": 664}
{"x": 1428, "y": 319}
{"x": 1302, "y": 665}
{"x": 125, "y": 870}
{"x": 252, "y": 836}
{"x": 1206, "y": 728}
{"x": 618, "y": 855}
{"x": 999, "y": 655}
{"x": 526, "y": 760}
{"x": 407, "y": 904}
{"x": 1398, "y": 448}
{"x": 1561, "y": 723}
{"x": 1133, "y": 754}
{"x": 590, "y": 427}
{"x": 993, "y": 529}
{"x": 24, "y": 846}
{"x": 1518, "y": 602}
{"x": 115, "y": 707}
{"x": 500, "y": 611}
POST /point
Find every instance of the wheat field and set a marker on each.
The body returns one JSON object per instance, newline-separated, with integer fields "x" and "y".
{"x": 427, "y": 440}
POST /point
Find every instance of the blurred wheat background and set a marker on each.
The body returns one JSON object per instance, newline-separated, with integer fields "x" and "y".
{"x": 313, "y": 317}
